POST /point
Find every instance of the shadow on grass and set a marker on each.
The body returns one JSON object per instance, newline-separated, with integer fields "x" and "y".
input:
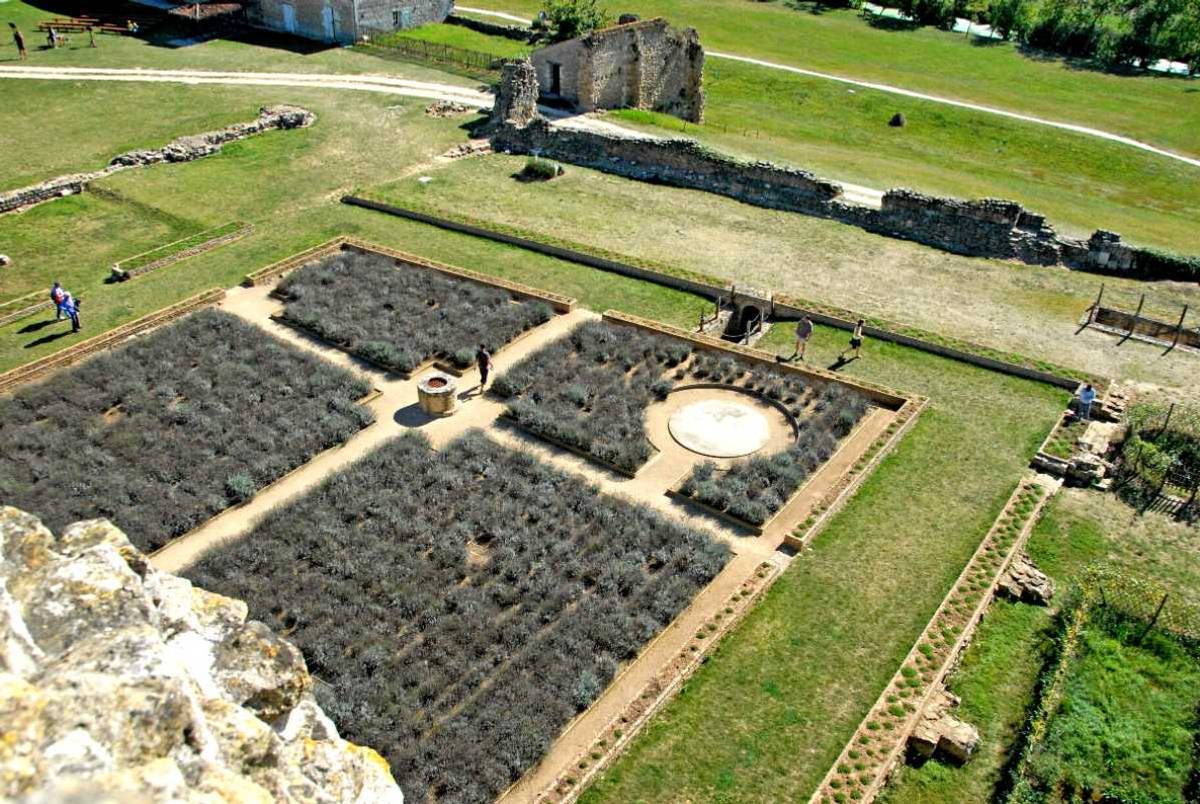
{"x": 38, "y": 326}
{"x": 47, "y": 339}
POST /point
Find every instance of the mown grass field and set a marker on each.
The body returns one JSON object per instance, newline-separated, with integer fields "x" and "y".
{"x": 802, "y": 34}
{"x": 997, "y": 677}
{"x": 771, "y": 709}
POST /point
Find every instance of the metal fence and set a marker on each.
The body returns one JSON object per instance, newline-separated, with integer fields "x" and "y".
{"x": 388, "y": 44}
{"x": 1145, "y": 601}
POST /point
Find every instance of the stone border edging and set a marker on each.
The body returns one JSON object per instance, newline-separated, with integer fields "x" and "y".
{"x": 560, "y": 303}
{"x": 25, "y": 312}
{"x": 867, "y": 775}
{"x": 874, "y": 455}
{"x": 73, "y": 354}
{"x": 681, "y": 668}
{"x": 207, "y": 245}
{"x": 962, "y": 351}
{"x": 878, "y": 394}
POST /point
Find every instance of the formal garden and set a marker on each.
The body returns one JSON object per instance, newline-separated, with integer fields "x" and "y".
{"x": 460, "y": 606}
{"x": 163, "y": 433}
{"x": 400, "y": 315}
{"x": 589, "y": 392}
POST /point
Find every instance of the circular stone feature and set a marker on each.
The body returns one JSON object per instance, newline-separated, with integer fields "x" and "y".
{"x": 436, "y": 394}
{"x": 720, "y": 428}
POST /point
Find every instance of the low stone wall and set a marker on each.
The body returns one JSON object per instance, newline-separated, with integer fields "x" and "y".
{"x": 992, "y": 228}
{"x": 182, "y": 149}
{"x": 676, "y": 162}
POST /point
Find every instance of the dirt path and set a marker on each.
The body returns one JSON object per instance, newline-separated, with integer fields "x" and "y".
{"x": 908, "y": 93}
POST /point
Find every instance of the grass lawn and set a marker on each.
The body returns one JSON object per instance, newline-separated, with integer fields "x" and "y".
{"x": 1000, "y": 668}
{"x": 994, "y": 681}
{"x": 1026, "y": 309}
{"x": 771, "y": 709}
{"x": 1125, "y": 730}
{"x": 926, "y": 60}
{"x": 467, "y": 39}
{"x": 287, "y": 185}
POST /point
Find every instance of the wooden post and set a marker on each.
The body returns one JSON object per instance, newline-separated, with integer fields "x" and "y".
{"x": 1096, "y": 305}
{"x": 1153, "y": 619}
{"x": 1179, "y": 327}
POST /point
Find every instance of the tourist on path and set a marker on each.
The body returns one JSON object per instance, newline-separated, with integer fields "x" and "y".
{"x": 804, "y": 330}
{"x": 856, "y": 341}
{"x": 1087, "y": 395}
{"x": 484, "y": 358}
{"x": 19, "y": 39}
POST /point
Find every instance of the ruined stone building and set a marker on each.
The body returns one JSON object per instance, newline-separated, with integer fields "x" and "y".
{"x": 344, "y": 21}
{"x": 641, "y": 65}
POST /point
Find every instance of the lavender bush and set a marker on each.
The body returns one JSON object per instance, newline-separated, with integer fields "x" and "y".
{"x": 164, "y": 432}
{"x": 462, "y": 606}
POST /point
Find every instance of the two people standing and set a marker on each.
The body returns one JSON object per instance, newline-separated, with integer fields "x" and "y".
{"x": 804, "y": 331}
{"x": 65, "y": 304}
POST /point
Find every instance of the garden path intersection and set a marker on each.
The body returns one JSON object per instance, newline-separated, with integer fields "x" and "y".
{"x": 396, "y": 411}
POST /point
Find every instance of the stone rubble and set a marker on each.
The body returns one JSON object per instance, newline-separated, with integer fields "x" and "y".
{"x": 182, "y": 149}
{"x": 939, "y": 732}
{"x": 1024, "y": 582}
{"x": 122, "y": 683}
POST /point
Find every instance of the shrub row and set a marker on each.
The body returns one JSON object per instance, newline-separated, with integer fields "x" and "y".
{"x": 164, "y": 432}
{"x": 400, "y": 316}
{"x": 755, "y": 489}
{"x": 462, "y": 606}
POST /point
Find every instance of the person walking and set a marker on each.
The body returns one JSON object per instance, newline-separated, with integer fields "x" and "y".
{"x": 484, "y": 359}
{"x": 91, "y": 36}
{"x": 57, "y": 295}
{"x": 1087, "y": 395}
{"x": 70, "y": 306}
{"x": 804, "y": 330}
{"x": 856, "y": 341}
{"x": 19, "y": 40}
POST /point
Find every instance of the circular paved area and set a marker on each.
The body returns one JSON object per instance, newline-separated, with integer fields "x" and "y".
{"x": 720, "y": 428}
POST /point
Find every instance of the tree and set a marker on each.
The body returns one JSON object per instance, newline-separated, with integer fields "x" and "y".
{"x": 567, "y": 19}
{"x": 1008, "y": 17}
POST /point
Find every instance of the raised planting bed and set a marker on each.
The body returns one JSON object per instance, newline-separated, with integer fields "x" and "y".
{"x": 462, "y": 606}
{"x": 878, "y": 744}
{"x": 171, "y": 428}
{"x": 589, "y": 390}
{"x": 190, "y": 246}
{"x": 402, "y": 315}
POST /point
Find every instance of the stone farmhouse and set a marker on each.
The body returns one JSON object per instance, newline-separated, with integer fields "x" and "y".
{"x": 641, "y": 65}
{"x": 344, "y": 21}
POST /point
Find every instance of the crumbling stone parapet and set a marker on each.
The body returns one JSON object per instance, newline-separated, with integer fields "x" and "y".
{"x": 516, "y": 96}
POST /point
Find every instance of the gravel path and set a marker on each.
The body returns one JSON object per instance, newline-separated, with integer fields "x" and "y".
{"x": 908, "y": 93}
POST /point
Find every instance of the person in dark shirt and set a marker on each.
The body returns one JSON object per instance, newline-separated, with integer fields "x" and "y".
{"x": 484, "y": 359}
{"x": 19, "y": 38}
{"x": 804, "y": 330}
